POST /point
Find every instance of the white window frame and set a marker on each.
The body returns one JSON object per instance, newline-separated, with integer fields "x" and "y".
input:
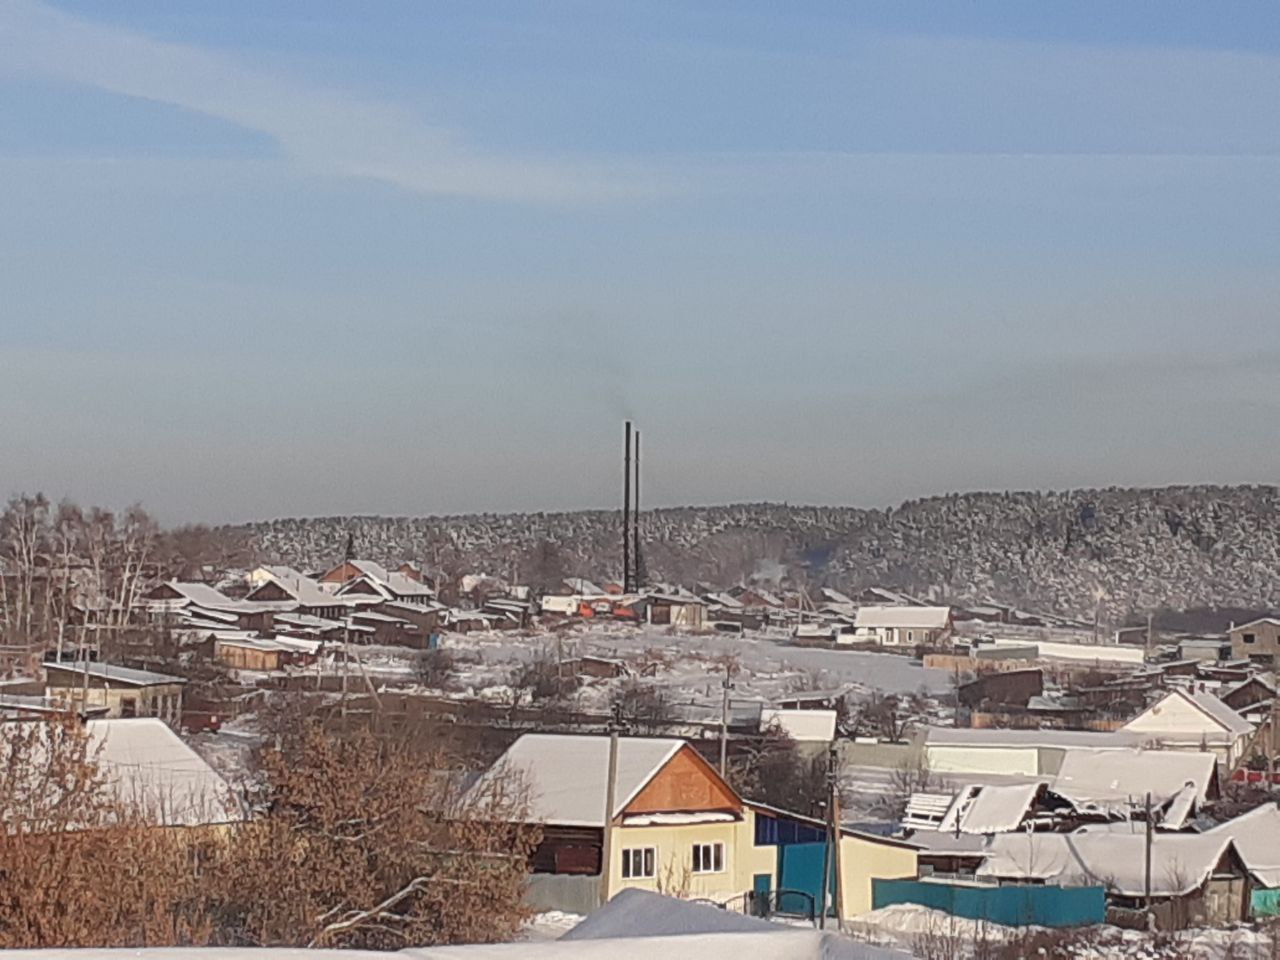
{"x": 702, "y": 852}
{"x": 646, "y": 857}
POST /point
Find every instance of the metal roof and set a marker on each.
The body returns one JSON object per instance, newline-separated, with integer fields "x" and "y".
{"x": 566, "y": 775}
{"x": 113, "y": 673}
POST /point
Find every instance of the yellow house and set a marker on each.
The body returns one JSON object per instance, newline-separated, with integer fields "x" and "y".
{"x": 122, "y": 691}
{"x": 677, "y": 828}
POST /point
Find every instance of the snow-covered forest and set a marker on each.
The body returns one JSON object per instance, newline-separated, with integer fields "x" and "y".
{"x": 1131, "y": 550}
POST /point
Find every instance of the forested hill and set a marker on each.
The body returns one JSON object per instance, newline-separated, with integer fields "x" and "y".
{"x": 1173, "y": 547}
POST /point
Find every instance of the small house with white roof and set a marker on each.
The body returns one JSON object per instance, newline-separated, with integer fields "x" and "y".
{"x": 901, "y": 626}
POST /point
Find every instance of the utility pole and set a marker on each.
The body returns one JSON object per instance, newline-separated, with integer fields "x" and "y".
{"x": 346, "y": 646}
{"x": 1146, "y": 883}
{"x": 833, "y": 831}
{"x": 828, "y": 851}
{"x": 615, "y": 726}
{"x": 725, "y": 686}
{"x": 1270, "y": 745}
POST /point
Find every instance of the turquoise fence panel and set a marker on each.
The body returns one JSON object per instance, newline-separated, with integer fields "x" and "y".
{"x": 800, "y": 868}
{"x": 1265, "y": 903}
{"x": 1010, "y": 905}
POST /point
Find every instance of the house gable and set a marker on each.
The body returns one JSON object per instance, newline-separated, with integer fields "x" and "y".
{"x": 685, "y": 783}
{"x": 363, "y": 587}
{"x": 165, "y": 591}
{"x": 341, "y": 573}
{"x": 1176, "y": 713}
{"x": 270, "y": 591}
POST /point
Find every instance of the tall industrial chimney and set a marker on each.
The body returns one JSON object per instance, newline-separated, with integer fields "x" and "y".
{"x": 637, "y": 566}
{"x": 628, "y": 582}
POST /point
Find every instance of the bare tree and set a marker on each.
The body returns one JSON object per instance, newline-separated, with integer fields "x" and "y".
{"x": 775, "y": 770}
{"x": 360, "y": 840}
{"x": 913, "y": 776}
{"x": 645, "y": 705}
{"x": 24, "y": 540}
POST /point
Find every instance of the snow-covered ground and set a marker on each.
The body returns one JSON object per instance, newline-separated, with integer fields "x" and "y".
{"x": 934, "y": 933}
{"x": 691, "y": 666}
{"x": 550, "y": 925}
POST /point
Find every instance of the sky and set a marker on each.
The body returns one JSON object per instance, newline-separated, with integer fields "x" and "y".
{"x": 318, "y": 257}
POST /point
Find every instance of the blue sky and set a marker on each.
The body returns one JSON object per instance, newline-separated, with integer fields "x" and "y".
{"x": 409, "y": 257}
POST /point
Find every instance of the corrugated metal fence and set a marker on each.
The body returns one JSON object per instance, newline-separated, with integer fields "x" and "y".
{"x": 1009, "y": 905}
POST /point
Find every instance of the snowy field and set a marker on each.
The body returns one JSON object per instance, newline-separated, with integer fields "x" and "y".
{"x": 765, "y": 666}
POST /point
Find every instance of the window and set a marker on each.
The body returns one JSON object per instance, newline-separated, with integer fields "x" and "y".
{"x": 708, "y": 857}
{"x": 911, "y": 636}
{"x": 1249, "y": 638}
{"x": 637, "y": 863}
{"x": 128, "y": 707}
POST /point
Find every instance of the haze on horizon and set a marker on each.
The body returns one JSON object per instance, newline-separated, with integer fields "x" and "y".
{"x": 316, "y": 258}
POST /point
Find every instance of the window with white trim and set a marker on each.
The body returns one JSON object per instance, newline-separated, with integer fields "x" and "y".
{"x": 638, "y": 863}
{"x": 708, "y": 857}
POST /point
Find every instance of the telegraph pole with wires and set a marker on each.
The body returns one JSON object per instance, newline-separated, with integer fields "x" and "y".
{"x": 833, "y": 788}
{"x": 1146, "y": 882}
{"x": 831, "y": 847}
{"x": 725, "y": 686}
{"x": 615, "y": 727}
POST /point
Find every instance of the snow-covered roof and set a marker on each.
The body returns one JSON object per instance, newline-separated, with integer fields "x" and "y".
{"x": 919, "y": 618}
{"x": 928, "y": 810}
{"x": 1209, "y": 706}
{"x": 200, "y": 594}
{"x": 149, "y": 766}
{"x": 1179, "y": 808}
{"x": 113, "y": 673}
{"x": 1256, "y": 835}
{"x": 974, "y": 808}
{"x": 1231, "y": 721}
{"x": 306, "y": 621}
{"x": 1180, "y": 862}
{"x": 1241, "y": 684}
{"x": 304, "y": 590}
{"x": 724, "y": 600}
{"x": 370, "y": 569}
{"x": 582, "y": 587}
{"x": 377, "y": 617}
{"x": 566, "y": 775}
{"x": 199, "y": 616}
{"x": 392, "y": 586}
{"x": 147, "y": 769}
{"x": 1270, "y": 621}
{"x": 1109, "y": 776}
{"x": 299, "y": 645}
{"x": 998, "y": 807}
{"x": 984, "y": 737}
{"x": 280, "y": 572}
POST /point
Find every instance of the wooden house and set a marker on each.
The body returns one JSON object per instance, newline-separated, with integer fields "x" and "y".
{"x": 675, "y": 825}
{"x": 124, "y": 692}
{"x": 297, "y": 596}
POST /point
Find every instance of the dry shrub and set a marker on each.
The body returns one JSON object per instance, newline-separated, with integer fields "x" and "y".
{"x": 376, "y": 848}
{"x": 360, "y": 841}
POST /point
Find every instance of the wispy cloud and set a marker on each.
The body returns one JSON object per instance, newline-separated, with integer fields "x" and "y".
{"x": 324, "y": 131}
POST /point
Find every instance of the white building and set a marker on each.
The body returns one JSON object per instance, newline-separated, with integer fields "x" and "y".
{"x": 1194, "y": 720}
{"x": 901, "y": 626}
